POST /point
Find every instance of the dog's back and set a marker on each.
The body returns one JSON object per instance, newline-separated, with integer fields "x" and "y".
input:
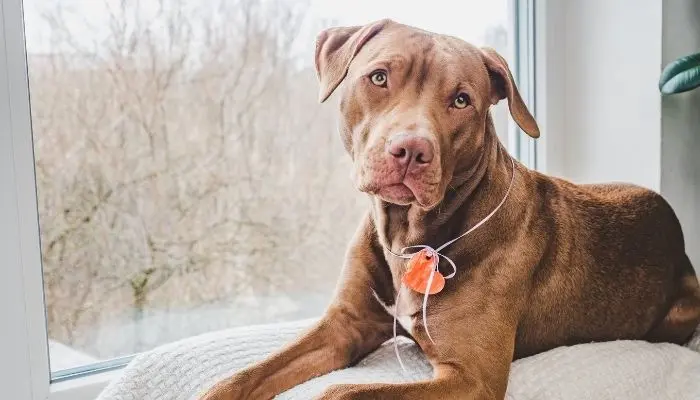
{"x": 612, "y": 245}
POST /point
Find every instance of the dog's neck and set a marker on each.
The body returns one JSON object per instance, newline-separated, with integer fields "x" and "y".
{"x": 471, "y": 195}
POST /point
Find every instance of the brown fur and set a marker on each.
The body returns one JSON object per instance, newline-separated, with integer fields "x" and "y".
{"x": 559, "y": 264}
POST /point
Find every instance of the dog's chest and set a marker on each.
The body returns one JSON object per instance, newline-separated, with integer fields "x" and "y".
{"x": 407, "y": 307}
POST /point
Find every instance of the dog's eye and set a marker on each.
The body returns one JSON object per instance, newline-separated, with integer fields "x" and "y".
{"x": 378, "y": 78}
{"x": 461, "y": 101}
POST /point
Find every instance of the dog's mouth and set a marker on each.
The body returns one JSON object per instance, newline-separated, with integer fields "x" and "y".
{"x": 397, "y": 193}
{"x": 395, "y": 185}
{"x": 403, "y": 193}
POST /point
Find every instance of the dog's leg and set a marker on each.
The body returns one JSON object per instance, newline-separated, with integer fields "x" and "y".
{"x": 472, "y": 354}
{"x": 683, "y": 316}
{"x": 448, "y": 384}
{"x": 483, "y": 376}
{"x": 354, "y": 325}
{"x": 336, "y": 341}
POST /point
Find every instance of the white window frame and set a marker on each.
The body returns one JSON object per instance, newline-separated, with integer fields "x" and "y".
{"x": 548, "y": 77}
{"x": 24, "y": 362}
{"x": 24, "y": 355}
{"x": 522, "y": 15}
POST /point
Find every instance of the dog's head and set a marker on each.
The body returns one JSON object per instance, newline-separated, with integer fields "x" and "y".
{"x": 414, "y": 106}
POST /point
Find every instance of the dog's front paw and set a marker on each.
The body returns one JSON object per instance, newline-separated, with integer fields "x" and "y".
{"x": 228, "y": 389}
{"x": 344, "y": 392}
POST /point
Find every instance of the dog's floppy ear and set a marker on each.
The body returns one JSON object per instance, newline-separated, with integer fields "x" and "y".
{"x": 503, "y": 86}
{"x": 336, "y": 48}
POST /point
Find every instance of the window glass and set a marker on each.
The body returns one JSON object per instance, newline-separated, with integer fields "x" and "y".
{"x": 188, "y": 179}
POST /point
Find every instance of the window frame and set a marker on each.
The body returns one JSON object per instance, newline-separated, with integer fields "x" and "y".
{"x": 523, "y": 36}
{"x": 24, "y": 369}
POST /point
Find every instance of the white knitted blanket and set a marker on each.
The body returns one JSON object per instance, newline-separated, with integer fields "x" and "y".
{"x": 612, "y": 370}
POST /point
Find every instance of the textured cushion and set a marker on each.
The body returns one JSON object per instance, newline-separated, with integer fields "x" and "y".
{"x": 611, "y": 370}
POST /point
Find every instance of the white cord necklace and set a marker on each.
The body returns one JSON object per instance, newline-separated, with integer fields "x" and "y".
{"x": 432, "y": 257}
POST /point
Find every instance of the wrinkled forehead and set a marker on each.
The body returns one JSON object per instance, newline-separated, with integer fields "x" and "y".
{"x": 424, "y": 58}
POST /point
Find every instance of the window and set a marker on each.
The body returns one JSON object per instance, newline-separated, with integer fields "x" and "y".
{"x": 181, "y": 172}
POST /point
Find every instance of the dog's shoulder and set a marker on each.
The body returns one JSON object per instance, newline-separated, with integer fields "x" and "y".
{"x": 624, "y": 199}
{"x": 615, "y": 195}
{"x": 609, "y": 210}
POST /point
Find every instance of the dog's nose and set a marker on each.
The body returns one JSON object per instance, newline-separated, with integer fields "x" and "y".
{"x": 410, "y": 149}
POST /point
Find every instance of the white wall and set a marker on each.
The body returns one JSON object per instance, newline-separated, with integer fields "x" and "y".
{"x": 606, "y": 55}
{"x": 680, "y": 124}
{"x": 604, "y": 119}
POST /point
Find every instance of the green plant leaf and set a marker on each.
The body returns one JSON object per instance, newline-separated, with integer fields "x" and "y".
{"x": 681, "y": 75}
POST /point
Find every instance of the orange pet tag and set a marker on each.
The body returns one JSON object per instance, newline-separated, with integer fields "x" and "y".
{"x": 418, "y": 273}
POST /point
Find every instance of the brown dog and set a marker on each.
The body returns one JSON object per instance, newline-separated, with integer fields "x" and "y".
{"x": 558, "y": 264}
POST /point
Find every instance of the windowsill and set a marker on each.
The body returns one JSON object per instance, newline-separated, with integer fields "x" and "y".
{"x": 83, "y": 388}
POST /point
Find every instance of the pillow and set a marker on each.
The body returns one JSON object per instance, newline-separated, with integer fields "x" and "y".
{"x": 610, "y": 370}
